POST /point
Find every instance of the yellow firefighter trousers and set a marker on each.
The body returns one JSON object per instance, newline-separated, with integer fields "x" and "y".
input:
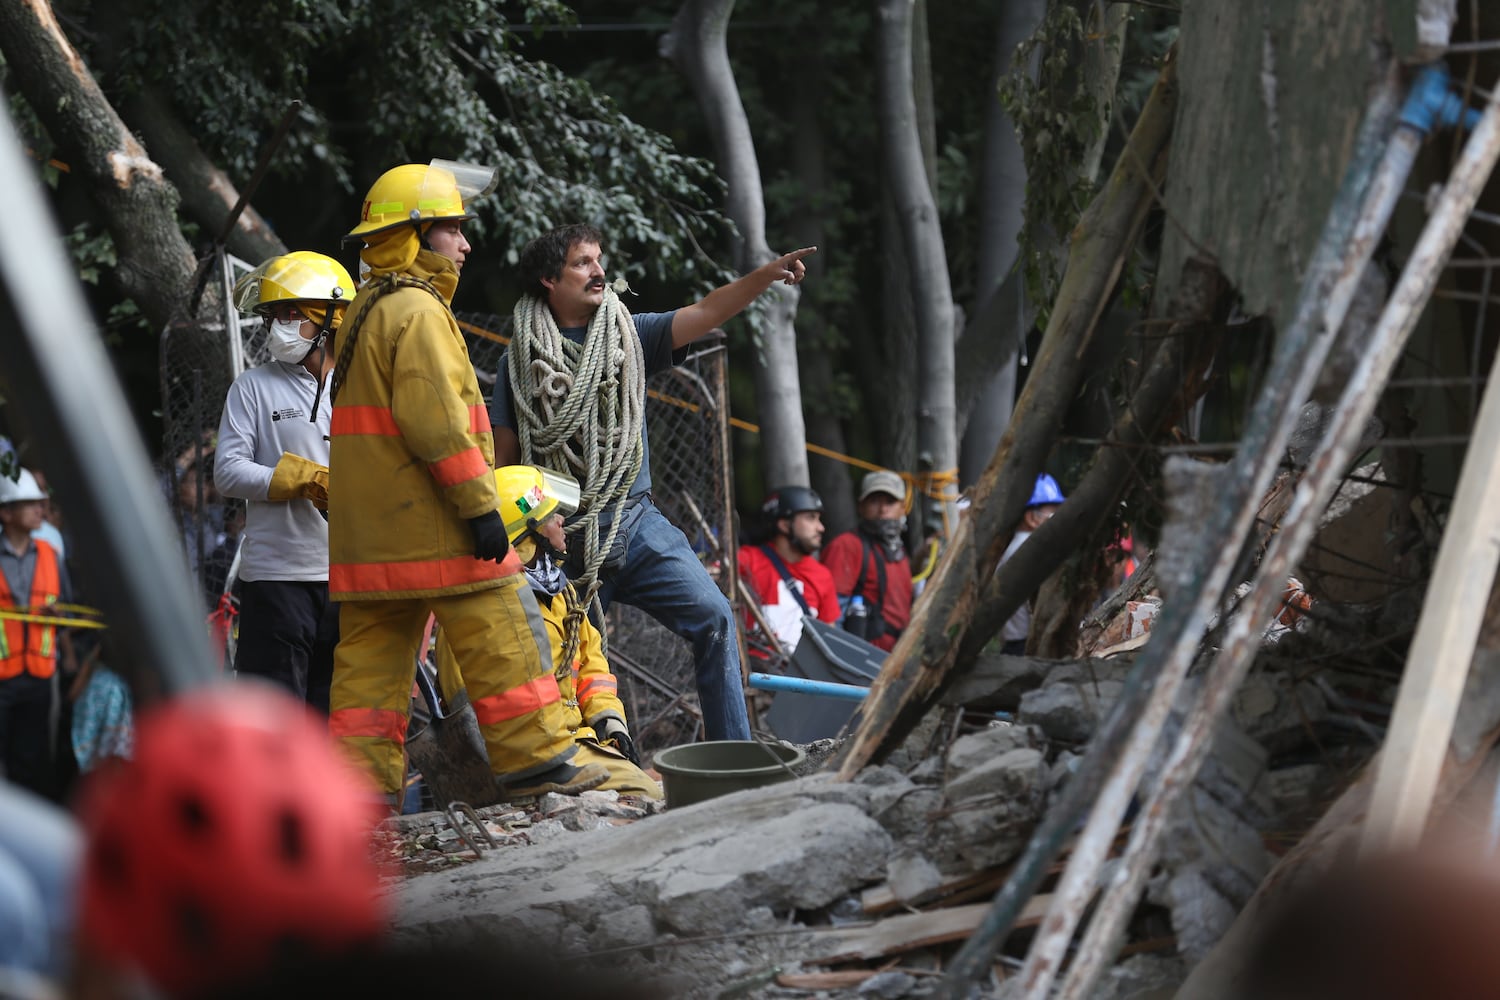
{"x": 624, "y": 777}
{"x": 500, "y": 640}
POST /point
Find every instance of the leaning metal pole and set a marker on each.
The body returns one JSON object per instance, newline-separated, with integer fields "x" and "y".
{"x": 1322, "y": 304}
{"x": 1325, "y": 471}
{"x": 62, "y": 379}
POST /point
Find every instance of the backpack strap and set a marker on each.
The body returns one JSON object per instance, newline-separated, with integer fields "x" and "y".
{"x": 869, "y": 553}
{"x": 786, "y": 575}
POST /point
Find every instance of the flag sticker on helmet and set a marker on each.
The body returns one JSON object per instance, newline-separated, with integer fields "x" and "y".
{"x": 531, "y": 500}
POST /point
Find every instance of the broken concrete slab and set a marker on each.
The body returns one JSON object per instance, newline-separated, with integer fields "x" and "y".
{"x": 1277, "y": 711}
{"x": 798, "y": 845}
{"x": 1069, "y": 711}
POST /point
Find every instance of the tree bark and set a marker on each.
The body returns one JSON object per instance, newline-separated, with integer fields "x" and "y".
{"x": 829, "y": 477}
{"x": 945, "y": 635}
{"x": 1001, "y": 317}
{"x": 984, "y": 405}
{"x": 696, "y": 45}
{"x": 208, "y": 196}
{"x": 156, "y": 264}
{"x": 916, "y": 209}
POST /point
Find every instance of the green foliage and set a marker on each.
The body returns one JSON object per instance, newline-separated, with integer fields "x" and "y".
{"x": 93, "y": 254}
{"x": 1058, "y": 119}
{"x": 384, "y": 82}
{"x": 90, "y": 251}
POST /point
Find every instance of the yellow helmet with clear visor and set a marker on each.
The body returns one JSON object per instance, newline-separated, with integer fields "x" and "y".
{"x": 528, "y": 496}
{"x": 415, "y": 194}
{"x": 302, "y": 276}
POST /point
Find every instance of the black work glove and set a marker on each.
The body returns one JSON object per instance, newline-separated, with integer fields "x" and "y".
{"x": 489, "y": 537}
{"x": 612, "y": 730}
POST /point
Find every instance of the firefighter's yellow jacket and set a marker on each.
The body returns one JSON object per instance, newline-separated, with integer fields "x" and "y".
{"x": 590, "y": 693}
{"x": 411, "y": 454}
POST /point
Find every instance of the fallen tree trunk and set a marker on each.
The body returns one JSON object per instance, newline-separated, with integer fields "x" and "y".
{"x": 155, "y": 262}
{"x": 945, "y": 634}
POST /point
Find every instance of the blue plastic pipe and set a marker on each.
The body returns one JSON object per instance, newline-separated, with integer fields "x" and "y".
{"x": 801, "y": 685}
{"x": 822, "y": 689}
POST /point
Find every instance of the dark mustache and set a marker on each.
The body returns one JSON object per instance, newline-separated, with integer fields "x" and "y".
{"x": 596, "y": 283}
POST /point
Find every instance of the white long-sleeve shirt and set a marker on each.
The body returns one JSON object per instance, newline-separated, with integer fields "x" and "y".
{"x": 265, "y": 414}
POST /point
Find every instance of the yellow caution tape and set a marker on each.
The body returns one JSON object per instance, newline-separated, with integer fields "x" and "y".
{"x": 77, "y": 609}
{"x": 480, "y": 331}
{"x": 26, "y": 616}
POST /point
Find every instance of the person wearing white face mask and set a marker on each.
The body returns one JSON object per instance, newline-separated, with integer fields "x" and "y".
{"x": 273, "y": 453}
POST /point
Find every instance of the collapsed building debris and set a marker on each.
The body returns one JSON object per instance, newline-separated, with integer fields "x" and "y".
{"x": 1157, "y": 782}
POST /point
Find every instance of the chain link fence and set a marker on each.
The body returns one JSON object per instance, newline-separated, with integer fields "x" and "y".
{"x": 201, "y": 354}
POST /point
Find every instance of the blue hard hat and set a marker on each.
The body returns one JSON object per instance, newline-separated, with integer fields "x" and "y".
{"x": 1045, "y": 492}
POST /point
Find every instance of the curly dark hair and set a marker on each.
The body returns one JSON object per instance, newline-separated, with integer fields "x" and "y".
{"x": 545, "y": 256}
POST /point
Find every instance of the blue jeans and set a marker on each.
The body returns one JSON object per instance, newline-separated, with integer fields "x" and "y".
{"x": 664, "y": 578}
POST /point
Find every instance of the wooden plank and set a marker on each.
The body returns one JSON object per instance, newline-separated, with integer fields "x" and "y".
{"x": 843, "y": 979}
{"x": 1437, "y": 665}
{"x": 909, "y": 931}
{"x": 883, "y": 899}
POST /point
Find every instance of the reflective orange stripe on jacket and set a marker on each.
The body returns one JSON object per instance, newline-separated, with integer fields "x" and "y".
{"x": 466, "y": 465}
{"x": 26, "y": 645}
{"x": 518, "y": 701}
{"x": 421, "y": 574}
{"x": 594, "y": 685}
{"x": 379, "y": 420}
{"x": 381, "y": 723}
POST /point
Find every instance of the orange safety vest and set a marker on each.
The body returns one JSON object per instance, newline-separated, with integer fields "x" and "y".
{"x": 27, "y": 645}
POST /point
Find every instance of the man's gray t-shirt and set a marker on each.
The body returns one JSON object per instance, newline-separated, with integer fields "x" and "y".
{"x": 655, "y": 332}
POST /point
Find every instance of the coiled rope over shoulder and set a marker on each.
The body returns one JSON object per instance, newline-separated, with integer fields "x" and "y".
{"x": 579, "y": 410}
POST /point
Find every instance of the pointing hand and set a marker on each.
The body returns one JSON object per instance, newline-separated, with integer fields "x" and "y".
{"x": 791, "y": 267}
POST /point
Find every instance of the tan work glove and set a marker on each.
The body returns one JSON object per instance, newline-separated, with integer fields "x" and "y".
{"x": 296, "y": 478}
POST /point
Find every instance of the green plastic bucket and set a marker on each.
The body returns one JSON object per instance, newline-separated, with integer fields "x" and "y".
{"x": 697, "y": 771}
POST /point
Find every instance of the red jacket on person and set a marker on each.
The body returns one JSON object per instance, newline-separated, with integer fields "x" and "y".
{"x": 844, "y": 557}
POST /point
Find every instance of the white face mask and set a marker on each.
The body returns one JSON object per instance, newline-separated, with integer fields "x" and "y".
{"x": 287, "y": 343}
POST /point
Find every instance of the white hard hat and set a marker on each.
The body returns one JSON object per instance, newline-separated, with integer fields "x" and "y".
{"x": 17, "y": 490}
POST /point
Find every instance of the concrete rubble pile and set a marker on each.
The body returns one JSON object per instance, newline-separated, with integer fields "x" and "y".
{"x": 816, "y": 887}
{"x": 819, "y": 888}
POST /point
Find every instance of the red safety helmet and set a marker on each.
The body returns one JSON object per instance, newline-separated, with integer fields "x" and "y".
{"x": 237, "y": 836}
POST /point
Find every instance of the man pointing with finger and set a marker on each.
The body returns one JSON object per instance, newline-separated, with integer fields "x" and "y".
{"x": 570, "y": 394}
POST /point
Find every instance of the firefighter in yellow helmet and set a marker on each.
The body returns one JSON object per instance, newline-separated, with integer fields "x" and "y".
{"x": 414, "y": 526}
{"x": 272, "y": 453}
{"x": 533, "y": 502}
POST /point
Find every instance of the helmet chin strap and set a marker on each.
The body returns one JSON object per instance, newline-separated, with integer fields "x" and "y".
{"x": 416, "y": 223}
{"x": 792, "y": 539}
{"x": 320, "y": 344}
